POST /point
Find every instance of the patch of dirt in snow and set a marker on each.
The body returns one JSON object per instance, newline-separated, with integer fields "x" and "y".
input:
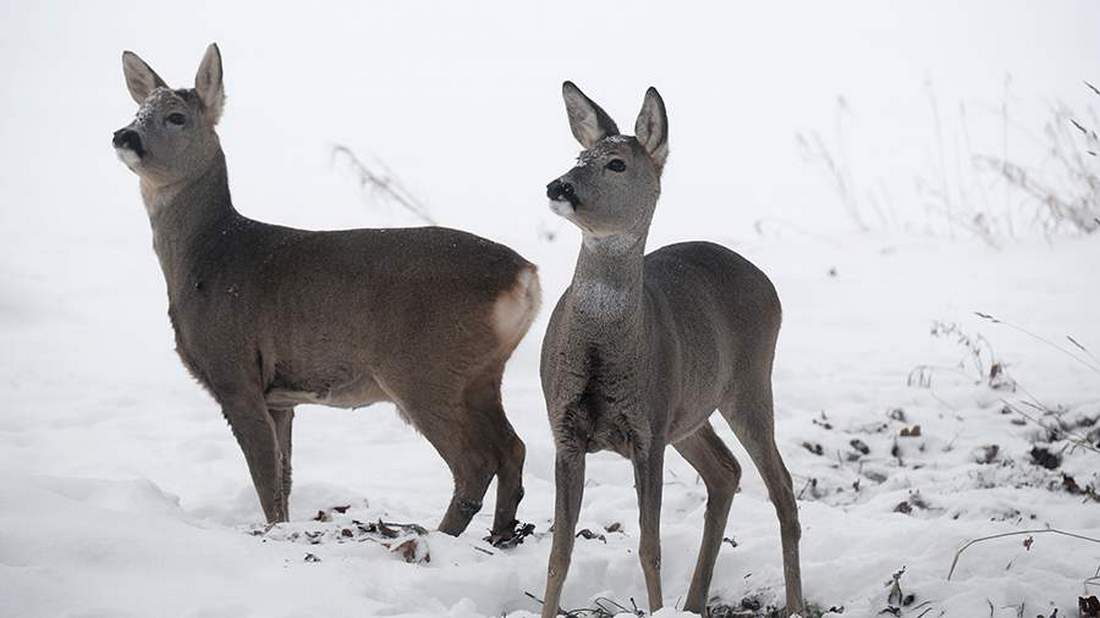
{"x": 339, "y": 525}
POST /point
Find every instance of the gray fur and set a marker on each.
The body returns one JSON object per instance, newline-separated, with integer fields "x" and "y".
{"x": 140, "y": 78}
{"x": 588, "y": 122}
{"x": 208, "y": 82}
{"x": 642, "y": 349}
{"x": 268, "y": 317}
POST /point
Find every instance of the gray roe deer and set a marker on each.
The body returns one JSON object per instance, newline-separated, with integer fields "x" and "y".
{"x": 641, "y": 349}
{"x": 268, "y": 317}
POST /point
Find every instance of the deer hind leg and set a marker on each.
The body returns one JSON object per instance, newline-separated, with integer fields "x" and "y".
{"x": 649, "y": 483}
{"x": 483, "y": 399}
{"x": 283, "y": 419}
{"x": 254, "y": 429}
{"x": 472, "y": 474}
{"x": 512, "y": 453}
{"x": 459, "y": 435}
{"x": 751, "y": 416}
{"x": 721, "y": 473}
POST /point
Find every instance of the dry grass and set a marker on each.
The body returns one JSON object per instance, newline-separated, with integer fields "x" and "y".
{"x": 973, "y": 192}
{"x": 1065, "y": 192}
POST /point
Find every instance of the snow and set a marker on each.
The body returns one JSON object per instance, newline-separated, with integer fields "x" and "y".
{"x": 133, "y": 483}
{"x": 124, "y": 493}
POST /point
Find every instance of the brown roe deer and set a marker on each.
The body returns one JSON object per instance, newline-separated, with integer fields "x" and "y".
{"x": 268, "y": 317}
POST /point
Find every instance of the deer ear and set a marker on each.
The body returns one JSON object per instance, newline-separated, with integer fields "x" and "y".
{"x": 588, "y": 122}
{"x": 208, "y": 83}
{"x": 651, "y": 128}
{"x": 140, "y": 79}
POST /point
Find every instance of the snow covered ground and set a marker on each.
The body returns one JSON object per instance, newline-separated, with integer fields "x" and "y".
{"x": 122, "y": 492}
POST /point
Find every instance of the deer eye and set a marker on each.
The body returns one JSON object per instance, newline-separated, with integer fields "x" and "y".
{"x": 616, "y": 165}
{"x": 176, "y": 118}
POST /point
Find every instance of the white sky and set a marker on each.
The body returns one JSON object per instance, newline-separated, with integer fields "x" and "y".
{"x": 462, "y": 99}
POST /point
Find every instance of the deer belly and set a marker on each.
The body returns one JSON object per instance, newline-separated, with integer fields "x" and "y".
{"x": 356, "y": 393}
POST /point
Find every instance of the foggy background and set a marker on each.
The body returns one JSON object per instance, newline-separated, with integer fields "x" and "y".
{"x": 121, "y": 474}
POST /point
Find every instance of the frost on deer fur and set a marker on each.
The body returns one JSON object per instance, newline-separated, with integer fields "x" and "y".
{"x": 600, "y": 149}
{"x": 154, "y": 100}
{"x": 599, "y": 299}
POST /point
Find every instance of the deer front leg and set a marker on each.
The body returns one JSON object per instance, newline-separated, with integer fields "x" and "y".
{"x": 284, "y": 423}
{"x": 569, "y": 489}
{"x": 255, "y": 432}
{"x": 649, "y": 482}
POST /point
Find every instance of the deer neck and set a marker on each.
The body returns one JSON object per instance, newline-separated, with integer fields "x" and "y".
{"x": 607, "y": 288}
{"x": 187, "y": 217}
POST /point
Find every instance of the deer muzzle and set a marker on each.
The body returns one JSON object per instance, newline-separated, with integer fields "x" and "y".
{"x": 128, "y": 139}
{"x": 559, "y": 191}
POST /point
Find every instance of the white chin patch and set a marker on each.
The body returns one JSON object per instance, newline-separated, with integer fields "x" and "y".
{"x": 561, "y": 207}
{"x": 127, "y": 156}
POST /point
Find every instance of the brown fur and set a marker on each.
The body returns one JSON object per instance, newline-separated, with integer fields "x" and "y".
{"x": 268, "y": 317}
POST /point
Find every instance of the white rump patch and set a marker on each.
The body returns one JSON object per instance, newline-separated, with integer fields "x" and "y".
{"x": 515, "y": 309}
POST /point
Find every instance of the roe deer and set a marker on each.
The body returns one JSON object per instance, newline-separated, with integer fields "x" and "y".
{"x": 641, "y": 349}
{"x": 268, "y": 317}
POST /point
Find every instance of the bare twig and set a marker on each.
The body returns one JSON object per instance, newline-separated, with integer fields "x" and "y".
{"x": 1040, "y": 338}
{"x": 991, "y": 537}
{"x": 1071, "y": 436}
{"x": 768, "y": 226}
{"x": 1092, "y": 581}
{"x": 838, "y": 166}
{"x": 944, "y": 193}
{"x": 1083, "y": 348}
{"x": 385, "y": 182}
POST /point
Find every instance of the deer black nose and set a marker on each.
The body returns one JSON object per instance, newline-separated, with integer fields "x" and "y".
{"x": 128, "y": 138}
{"x": 559, "y": 191}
